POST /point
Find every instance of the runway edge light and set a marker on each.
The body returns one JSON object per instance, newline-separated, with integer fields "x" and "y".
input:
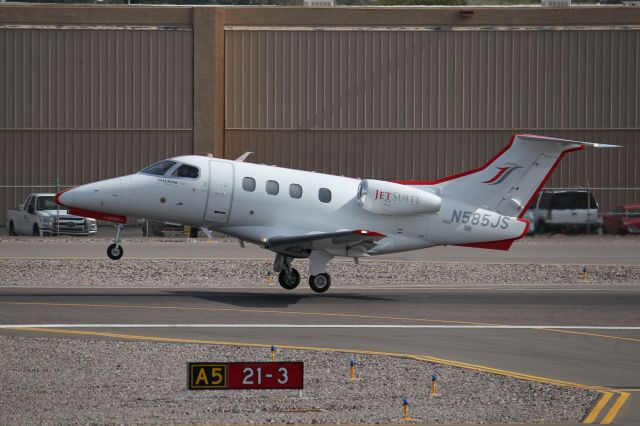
{"x": 352, "y": 374}
{"x": 405, "y": 409}
{"x": 434, "y": 390}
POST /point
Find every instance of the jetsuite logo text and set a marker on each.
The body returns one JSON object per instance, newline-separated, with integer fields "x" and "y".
{"x": 396, "y": 197}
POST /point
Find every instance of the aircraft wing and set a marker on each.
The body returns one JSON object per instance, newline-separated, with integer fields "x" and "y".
{"x": 299, "y": 245}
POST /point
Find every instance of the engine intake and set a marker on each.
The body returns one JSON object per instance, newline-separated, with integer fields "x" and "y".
{"x": 394, "y": 199}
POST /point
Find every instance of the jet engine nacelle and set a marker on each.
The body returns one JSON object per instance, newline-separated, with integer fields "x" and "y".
{"x": 394, "y": 199}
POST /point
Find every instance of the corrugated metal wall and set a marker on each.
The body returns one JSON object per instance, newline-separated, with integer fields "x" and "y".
{"x": 416, "y": 103}
{"x": 81, "y": 104}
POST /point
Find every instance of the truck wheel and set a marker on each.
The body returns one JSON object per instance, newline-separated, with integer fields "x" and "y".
{"x": 36, "y": 231}
{"x": 542, "y": 227}
{"x": 12, "y": 230}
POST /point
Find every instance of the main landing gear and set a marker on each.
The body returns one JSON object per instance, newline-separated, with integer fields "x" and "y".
{"x": 289, "y": 278}
{"x": 115, "y": 250}
{"x": 319, "y": 280}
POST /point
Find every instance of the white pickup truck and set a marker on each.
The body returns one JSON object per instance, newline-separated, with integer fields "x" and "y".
{"x": 38, "y": 215}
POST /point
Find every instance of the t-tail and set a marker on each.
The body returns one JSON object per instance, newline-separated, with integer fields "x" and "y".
{"x": 510, "y": 181}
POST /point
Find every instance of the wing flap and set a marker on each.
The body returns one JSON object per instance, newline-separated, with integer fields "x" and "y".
{"x": 301, "y": 245}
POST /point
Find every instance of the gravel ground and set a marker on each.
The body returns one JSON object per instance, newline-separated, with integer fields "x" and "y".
{"x": 70, "y": 381}
{"x": 253, "y": 273}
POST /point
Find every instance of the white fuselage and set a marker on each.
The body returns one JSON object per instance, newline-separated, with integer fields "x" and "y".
{"x": 220, "y": 198}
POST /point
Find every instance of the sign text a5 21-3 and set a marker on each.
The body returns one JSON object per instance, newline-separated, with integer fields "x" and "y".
{"x": 245, "y": 375}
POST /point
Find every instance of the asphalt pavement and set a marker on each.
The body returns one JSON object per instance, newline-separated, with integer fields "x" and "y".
{"x": 589, "y": 337}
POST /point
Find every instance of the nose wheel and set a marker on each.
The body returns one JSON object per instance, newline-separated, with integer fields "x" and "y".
{"x": 115, "y": 250}
{"x": 288, "y": 277}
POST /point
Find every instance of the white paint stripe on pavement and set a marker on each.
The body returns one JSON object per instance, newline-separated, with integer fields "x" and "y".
{"x": 374, "y": 326}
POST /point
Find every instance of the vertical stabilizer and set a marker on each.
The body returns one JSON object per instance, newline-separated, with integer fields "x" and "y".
{"x": 508, "y": 183}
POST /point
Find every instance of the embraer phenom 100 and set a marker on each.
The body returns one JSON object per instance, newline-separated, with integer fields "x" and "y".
{"x": 299, "y": 214}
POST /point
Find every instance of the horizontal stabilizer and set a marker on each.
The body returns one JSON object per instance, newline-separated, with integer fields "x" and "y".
{"x": 565, "y": 141}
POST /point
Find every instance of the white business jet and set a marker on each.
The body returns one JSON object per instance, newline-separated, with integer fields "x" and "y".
{"x": 299, "y": 214}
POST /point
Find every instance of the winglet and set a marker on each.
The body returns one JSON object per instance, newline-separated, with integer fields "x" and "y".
{"x": 244, "y": 156}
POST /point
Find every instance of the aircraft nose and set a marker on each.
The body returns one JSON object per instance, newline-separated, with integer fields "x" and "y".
{"x": 103, "y": 196}
{"x": 64, "y": 198}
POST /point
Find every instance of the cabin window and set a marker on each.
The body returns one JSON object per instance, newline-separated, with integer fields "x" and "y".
{"x": 273, "y": 187}
{"x": 295, "y": 190}
{"x": 159, "y": 168}
{"x": 249, "y": 184}
{"x": 186, "y": 171}
{"x": 324, "y": 195}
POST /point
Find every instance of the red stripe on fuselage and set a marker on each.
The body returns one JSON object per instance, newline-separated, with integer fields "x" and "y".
{"x": 459, "y": 175}
{"x": 500, "y": 244}
{"x": 98, "y": 215}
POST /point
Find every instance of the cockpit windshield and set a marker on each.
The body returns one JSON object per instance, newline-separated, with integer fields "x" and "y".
{"x": 159, "y": 168}
{"x": 186, "y": 171}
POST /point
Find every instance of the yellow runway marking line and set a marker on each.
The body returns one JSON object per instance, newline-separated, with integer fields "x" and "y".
{"x": 208, "y": 342}
{"x": 605, "y": 336}
{"x": 595, "y": 412}
{"x": 314, "y": 348}
{"x": 264, "y": 311}
{"x": 508, "y": 373}
{"x": 613, "y": 412}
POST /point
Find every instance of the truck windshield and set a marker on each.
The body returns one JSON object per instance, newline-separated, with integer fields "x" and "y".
{"x": 573, "y": 200}
{"x": 46, "y": 203}
{"x": 159, "y": 168}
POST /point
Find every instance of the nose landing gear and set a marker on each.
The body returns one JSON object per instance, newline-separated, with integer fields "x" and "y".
{"x": 115, "y": 250}
{"x": 289, "y": 280}
{"x": 288, "y": 277}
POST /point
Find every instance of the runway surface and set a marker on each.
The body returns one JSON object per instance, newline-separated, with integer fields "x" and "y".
{"x": 587, "y": 336}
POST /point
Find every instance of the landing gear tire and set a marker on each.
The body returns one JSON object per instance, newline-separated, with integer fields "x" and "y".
{"x": 320, "y": 283}
{"x": 12, "y": 230}
{"x": 114, "y": 251}
{"x": 289, "y": 280}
